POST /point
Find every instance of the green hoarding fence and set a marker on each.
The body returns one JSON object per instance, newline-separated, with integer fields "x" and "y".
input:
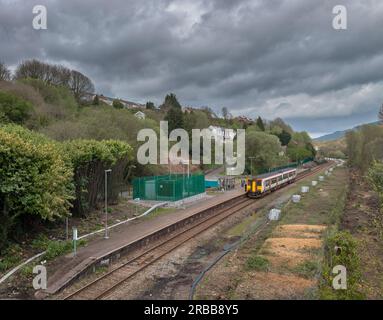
{"x": 169, "y": 187}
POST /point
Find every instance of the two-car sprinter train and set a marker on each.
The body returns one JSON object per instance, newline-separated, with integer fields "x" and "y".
{"x": 268, "y": 182}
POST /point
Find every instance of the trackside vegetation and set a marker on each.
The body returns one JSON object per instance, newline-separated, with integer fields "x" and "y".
{"x": 341, "y": 249}
{"x": 43, "y": 179}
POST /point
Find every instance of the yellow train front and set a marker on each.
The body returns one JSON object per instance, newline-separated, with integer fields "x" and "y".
{"x": 268, "y": 182}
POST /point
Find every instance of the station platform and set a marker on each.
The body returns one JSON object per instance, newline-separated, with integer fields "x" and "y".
{"x": 67, "y": 268}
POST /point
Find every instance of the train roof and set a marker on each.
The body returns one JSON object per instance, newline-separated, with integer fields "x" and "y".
{"x": 274, "y": 173}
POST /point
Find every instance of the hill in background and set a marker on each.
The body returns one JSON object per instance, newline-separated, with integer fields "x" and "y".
{"x": 339, "y": 134}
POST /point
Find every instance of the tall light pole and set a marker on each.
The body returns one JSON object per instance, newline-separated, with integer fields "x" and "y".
{"x": 106, "y": 203}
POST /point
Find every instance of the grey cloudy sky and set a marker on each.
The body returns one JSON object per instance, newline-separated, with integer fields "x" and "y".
{"x": 274, "y": 58}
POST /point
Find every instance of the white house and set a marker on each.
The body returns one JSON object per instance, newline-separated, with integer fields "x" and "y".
{"x": 140, "y": 115}
{"x": 222, "y": 133}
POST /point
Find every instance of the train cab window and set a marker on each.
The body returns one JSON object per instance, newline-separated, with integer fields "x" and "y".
{"x": 259, "y": 183}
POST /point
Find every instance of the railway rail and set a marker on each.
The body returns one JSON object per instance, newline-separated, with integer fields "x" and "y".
{"x": 105, "y": 285}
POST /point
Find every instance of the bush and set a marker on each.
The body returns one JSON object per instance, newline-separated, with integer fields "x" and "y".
{"x": 10, "y": 257}
{"x": 117, "y": 104}
{"x": 375, "y": 177}
{"x": 54, "y": 248}
{"x": 14, "y": 109}
{"x": 57, "y": 248}
{"x": 35, "y": 181}
{"x": 257, "y": 263}
{"x": 341, "y": 249}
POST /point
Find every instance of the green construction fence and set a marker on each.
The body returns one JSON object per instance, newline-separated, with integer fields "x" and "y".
{"x": 171, "y": 187}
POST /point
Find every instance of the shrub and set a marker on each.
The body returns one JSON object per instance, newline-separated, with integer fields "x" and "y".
{"x": 35, "y": 181}
{"x": 375, "y": 177}
{"x": 341, "y": 249}
{"x": 257, "y": 263}
{"x": 10, "y": 257}
{"x": 14, "y": 109}
{"x": 117, "y": 104}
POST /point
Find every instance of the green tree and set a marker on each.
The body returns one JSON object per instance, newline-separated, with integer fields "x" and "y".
{"x": 364, "y": 146}
{"x": 117, "y": 104}
{"x": 260, "y": 124}
{"x": 297, "y": 153}
{"x": 14, "y": 109}
{"x": 375, "y": 177}
{"x": 284, "y": 137}
{"x": 175, "y": 118}
{"x": 170, "y": 102}
{"x": 5, "y": 74}
{"x": 96, "y": 100}
{"x": 264, "y": 148}
{"x": 150, "y": 105}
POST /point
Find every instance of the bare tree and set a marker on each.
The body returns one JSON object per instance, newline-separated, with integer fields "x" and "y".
{"x": 51, "y": 74}
{"x": 80, "y": 85}
{"x": 5, "y": 74}
{"x": 31, "y": 69}
{"x": 380, "y": 114}
{"x": 57, "y": 75}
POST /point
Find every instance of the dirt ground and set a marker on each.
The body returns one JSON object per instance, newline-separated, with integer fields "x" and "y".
{"x": 362, "y": 218}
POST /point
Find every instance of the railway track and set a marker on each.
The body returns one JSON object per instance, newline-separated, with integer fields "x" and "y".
{"x": 103, "y": 286}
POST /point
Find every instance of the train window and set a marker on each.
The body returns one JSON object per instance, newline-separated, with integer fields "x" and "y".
{"x": 274, "y": 181}
{"x": 259, "y": 183}
{"x": 267, "y": 183}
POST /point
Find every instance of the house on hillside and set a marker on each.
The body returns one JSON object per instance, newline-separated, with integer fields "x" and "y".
{"x": 188, "y": 109}
{"x": 109, "y": 101}
{"x": 140, "y": 115}
{"x": 244, "y": 120}
{"x": 222, "y": 133}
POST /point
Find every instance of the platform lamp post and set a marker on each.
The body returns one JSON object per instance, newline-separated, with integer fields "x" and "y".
{"x": 106, "y": 203}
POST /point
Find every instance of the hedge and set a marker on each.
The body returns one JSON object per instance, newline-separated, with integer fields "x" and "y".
{"x": 34, "y": 178}
{"x": 45, "y": 179}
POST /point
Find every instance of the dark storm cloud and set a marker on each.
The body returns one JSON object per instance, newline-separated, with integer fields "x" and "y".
{"x": 270, "y": 57}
